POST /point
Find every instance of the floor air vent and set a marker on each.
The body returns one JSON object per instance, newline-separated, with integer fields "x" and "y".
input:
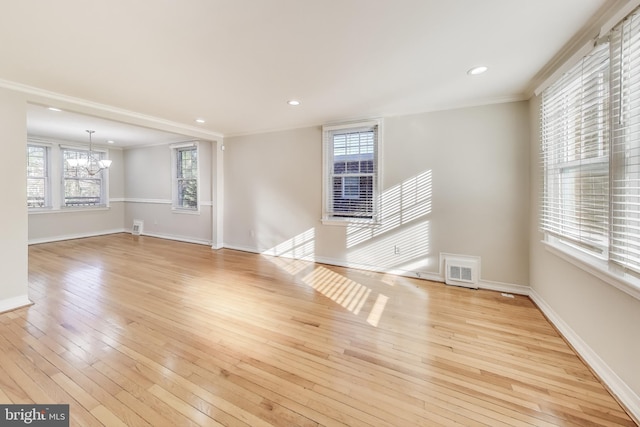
{"x": 462, "y": 271}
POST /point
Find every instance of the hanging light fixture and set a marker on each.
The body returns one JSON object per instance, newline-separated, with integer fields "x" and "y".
{"x": 92, "y": 164}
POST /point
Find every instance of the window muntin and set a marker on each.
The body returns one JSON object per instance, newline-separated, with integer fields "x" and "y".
{"x": 351, "y": 171}
{"x": 38, "y": 176}
{"x": 79, "y": 188}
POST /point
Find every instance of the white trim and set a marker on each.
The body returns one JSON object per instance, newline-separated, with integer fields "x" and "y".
{"x": 74, "y": 236}
{"x": 176, "y": 238}
{"x": 84, "y": 147}
{"x": 425, "y": 275}
{"x": 566, "y": 66}
{"x": 619, "y": 16}
{"x": 63, "y": 143}
{"x": 511, "y": 288}
{"x": 48, "y": 95}
{"x": 186, "y": 211}
{"x": 355, "y": 221}
{"x": 617, "y": 386}
{"x": 376, "y": 124}
{"x": 40, "y": 211}
{"x": 481, "y": 102}
{"x": 154, "y": 201}
{"x": 365, "y": 124}
{"x": 185, "y": 144}
{"x": 38, "y": 141}
{"x": 116, "y": 231}
{"x": 598, "y": 268}
{"x": 175, "y": 148}
{"x": 14, "y": 303}
{"x": 117, "y": 200}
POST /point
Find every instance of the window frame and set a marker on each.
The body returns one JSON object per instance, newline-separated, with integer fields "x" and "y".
{"x": 176, "y": 149}
{"x": 46, "y": 178}
{"x": 101, "y": 177}
{"x": 329, "y": 214}
{"x": 609, "y": 262}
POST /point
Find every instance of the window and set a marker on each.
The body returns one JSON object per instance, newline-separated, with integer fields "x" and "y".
{"x": 185, "y": 172}
{"x": 350, "y": 154}
{"x": 38, "y": 176}
{"x": 625, "y": 145}
{"x": 590, "y": 153}
{"x": 575, "y": 154}
{"x": 79, "y": 188}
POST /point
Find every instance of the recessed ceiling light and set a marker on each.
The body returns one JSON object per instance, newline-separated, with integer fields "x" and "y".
{"x": 110, "y": 141}
{"x": 293, "y": 102}
{"x": 477, "y": 70}
{"x": 54, "y": 109}
{"x": 200, "y": 120}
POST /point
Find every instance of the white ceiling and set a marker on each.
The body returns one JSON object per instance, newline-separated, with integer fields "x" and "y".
{"x": 71, "y": 126}
{"x": 235, "y": 63}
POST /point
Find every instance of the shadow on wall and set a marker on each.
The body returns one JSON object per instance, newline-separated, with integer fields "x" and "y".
{"x": 399, "y": 205}
{"x": 400, "y": 243}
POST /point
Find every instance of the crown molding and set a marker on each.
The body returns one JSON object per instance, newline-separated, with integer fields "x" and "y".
{"x": 589, "y": 33}
{"x": 45, "y": 97}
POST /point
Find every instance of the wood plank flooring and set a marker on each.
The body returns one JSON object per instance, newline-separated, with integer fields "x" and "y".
{"x": 138, "y": 331}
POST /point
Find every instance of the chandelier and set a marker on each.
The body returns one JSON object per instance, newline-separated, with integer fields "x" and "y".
{"x": 92, "y": 164}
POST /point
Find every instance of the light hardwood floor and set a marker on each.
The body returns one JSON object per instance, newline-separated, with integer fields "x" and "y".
{"x": 141, "y": 331}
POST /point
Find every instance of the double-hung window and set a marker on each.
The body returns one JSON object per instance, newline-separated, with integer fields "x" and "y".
{"x": 575, "y": 154}
{"x": 38, "y": 189}
{"x": 351, "y": 171}
{"x": 590, "y": 154}
{"x": 80, "y": 189}
{"x": 185, "y": 176}
{"x": 625, "y": 144}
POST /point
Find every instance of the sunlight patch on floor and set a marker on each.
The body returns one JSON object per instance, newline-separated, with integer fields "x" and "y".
{"x": 346, "y": 292}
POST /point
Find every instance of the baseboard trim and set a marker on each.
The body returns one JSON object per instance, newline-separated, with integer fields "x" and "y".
{"x": 74, "y": 236}
{"x": 176, "y": 238}
{"x": 627, "y": 397}
{"x": 14, "y": 303}
{"x": 504, "y": 287}
{"x": 434, "y": 277}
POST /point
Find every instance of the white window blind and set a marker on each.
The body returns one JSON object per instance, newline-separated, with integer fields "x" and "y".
{"x": 351, "y": 166}
{"x": 625, "y": 150}
{"x": 575, "y": 154}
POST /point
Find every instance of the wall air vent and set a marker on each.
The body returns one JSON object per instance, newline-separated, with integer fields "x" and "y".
{"x": 136, "y": 230}
{"x": 462, "y": 271}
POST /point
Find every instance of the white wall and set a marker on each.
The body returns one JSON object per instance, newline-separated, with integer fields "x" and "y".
{"x": 453, "y": 181}
{"x": 147, "y": 175}
{"x": 13, "y": 231}
{"x": 72, "y": 223}
{"x": 140, "y": 189}
{"x": 597, "y": 315}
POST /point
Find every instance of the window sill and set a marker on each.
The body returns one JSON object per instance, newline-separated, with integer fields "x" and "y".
{"x": 610, "y": 274}
{"x": 41, "y": 211}
{"x": 185, "y": 211}
{"x": 345, "y": 222}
